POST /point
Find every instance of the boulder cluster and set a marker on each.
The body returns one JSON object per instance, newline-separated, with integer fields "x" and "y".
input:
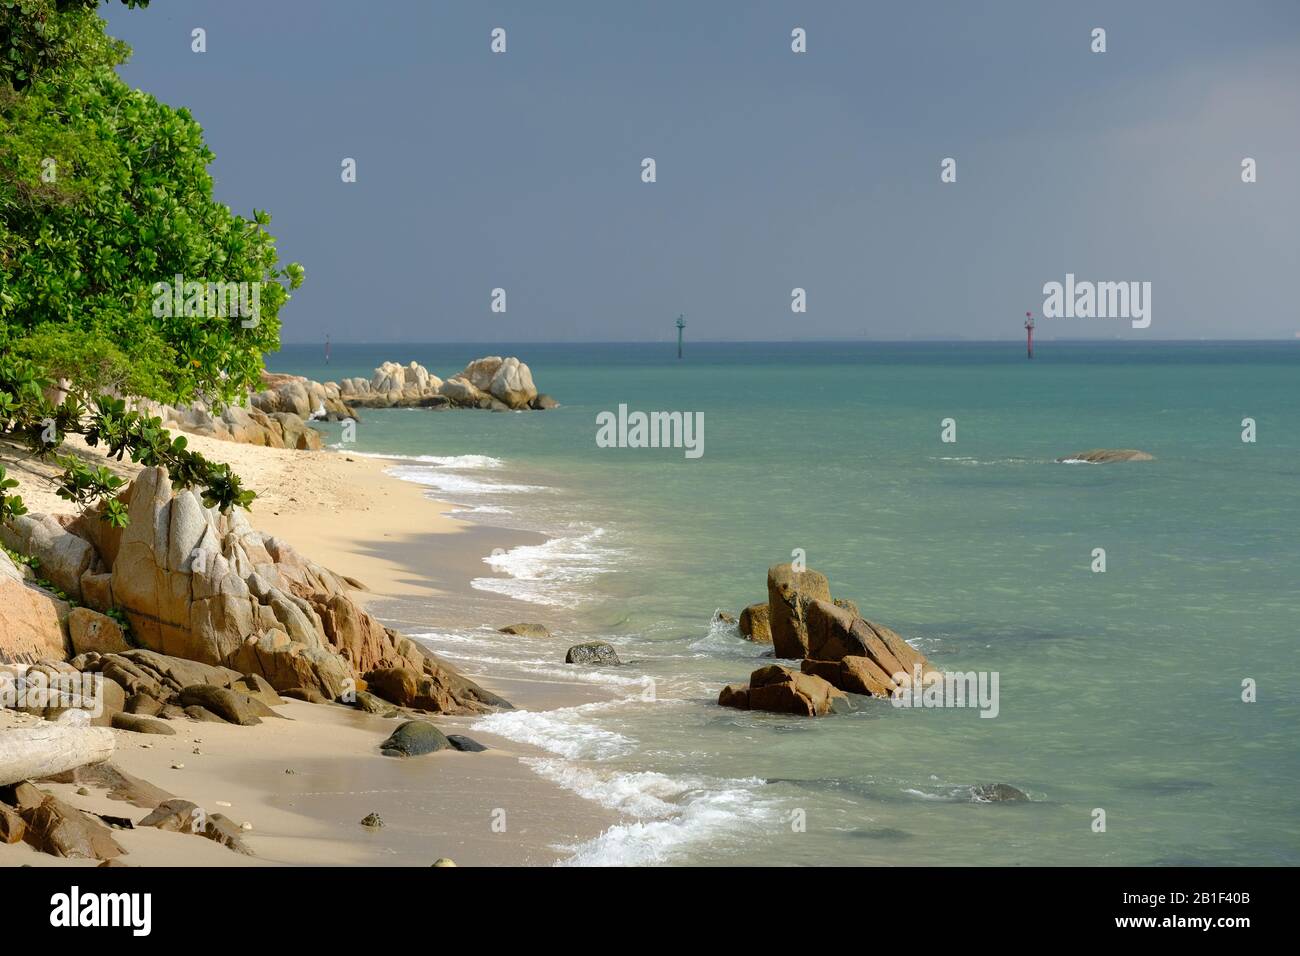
{"x": 493, "y": 382}
{"x": 193, "y": 584}
{"x": 840, "y": 651}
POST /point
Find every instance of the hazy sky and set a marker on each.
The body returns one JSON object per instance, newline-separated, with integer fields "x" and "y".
{"x": 775, "y": 170}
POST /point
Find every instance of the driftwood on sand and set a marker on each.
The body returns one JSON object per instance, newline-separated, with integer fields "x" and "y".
{"x": 29, "y": 753}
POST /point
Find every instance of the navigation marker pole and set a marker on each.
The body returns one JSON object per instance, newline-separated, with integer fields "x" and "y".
{"x": 681, "y": 324}
{"x": 1029, "y": 332}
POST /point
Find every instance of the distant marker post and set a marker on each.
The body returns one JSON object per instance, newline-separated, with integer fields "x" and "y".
{"x": 681, "y": 324}
{"x": 1029, "y": 333}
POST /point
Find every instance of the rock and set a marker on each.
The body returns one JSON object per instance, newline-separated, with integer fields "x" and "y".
{"x": 592, "y": 652}
{"x": 846, "y": 604}
{"x": 61, "y": 830}
{"x": 856, "y": 675}
{"x": 230, "y": 706}
{"x": 310, "y": 694}
{"x": 120, "y": 786}
{"x": 462, "y": 393}
{"x": 997, "y": 793}
{"x": 466, "y": 744}
{"x": 735, "y": 695}
{"x": 372, "y": 820}
{"x": 413, "y": 738}
{"x": 183, "y": 816}
{"x": 544, "y": 402}
{"x": 787, "y": 592}
{"x": 722, "y": 617}
{"x": 143, "y": 704}
{"x": 525, "y": 630}
{"x": 754, "y": 624}
{"x": 32, "y": 621}
{"x": 444, "y": 861}
{"x": 833, "y": 634}
{"x": 1101, "y": 456}
{"x": 481, "y": 372}
{"x": 63, "y": 556}
{"x": 512, "y": 384}
{"x": 12, "y": 826}
{"x": 371, "y": 704}
{"x": 781, "y": 690}
{"x": 257, "y": 687}
{"x": 141, "y": 725}
{"x": 91, "y": 631}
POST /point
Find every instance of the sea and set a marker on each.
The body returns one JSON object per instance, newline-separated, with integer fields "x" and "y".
{"x": 1141, "y": 617}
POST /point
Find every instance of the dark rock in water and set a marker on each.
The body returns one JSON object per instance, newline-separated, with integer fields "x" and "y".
{"x": 997, "y": 793}
{"x": 138, "y": 723}
{"x": 754, "y": 624}
{"x": 593, "y": 652}
{"x": 734, "y": 695}
{"x": 1101, "y": 456}
{"x": 413, "y": 738}
{"x": 543, "y": 402}
{"x": 372, "y": 820}
{"x": 466, "y": 744}
{"x": 525, "y": 630}
{"x": 722, "y": 617}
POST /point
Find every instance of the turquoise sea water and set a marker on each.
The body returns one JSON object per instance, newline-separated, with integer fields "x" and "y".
{"x": 1119, "y": 691}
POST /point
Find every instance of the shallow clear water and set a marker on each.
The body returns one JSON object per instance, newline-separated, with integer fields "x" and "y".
{"x": 1119, "y": 690}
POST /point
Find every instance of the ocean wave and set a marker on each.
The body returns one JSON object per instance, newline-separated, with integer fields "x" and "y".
{"x": 567, "y": 731}
{"x": 669, "y": 814}
{"x": 553, "y": 572}
{"x": 448, "y": 480}
{"x": 441, "y": 461}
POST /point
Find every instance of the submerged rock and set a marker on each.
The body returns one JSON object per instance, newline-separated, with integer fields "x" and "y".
{"x": 372, "y": 820}
{"x": 592, "y": 652}
{"x": 1101, "y": 456}
{"x": 525, "y": 630}
{"x": 997, "y": 793}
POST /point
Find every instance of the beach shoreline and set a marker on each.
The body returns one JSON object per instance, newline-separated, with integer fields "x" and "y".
{"x": 305, "y": 783}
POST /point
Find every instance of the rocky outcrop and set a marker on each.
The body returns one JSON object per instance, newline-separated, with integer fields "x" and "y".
{"x": 250, "y": 426}
{"x": 90, "y": 631}
{"x": 525, "y": 630}
{"x": 203, "y": 589}
{"x": 837, "y": 646}
{"x": 488, "y": 382}
{"x": 62, "y": 557}
{"x": 783, "y": 691}
{"x": 1102, "y": 456}
{"x": 787, "y": 592}
{"x": 294, "y": 394}
{"x": 52, "y": 826}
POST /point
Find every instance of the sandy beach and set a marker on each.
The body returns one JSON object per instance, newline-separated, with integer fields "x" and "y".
{"x": 305, "y": 782}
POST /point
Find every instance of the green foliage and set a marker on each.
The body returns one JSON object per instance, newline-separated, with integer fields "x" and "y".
{"x": 105, "y": 192}
{"x": 27, "y": 413}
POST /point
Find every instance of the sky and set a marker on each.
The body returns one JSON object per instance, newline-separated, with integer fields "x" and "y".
{"x": 775, "y": 170}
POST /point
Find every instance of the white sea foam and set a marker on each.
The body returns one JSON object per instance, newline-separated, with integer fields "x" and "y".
{"x": 553, "y": 572}
{"x": 567, "y": 731}
{"x": 449, "y": 480}
{"x": 669, "y": 814}
{"x": 442, "y": 461}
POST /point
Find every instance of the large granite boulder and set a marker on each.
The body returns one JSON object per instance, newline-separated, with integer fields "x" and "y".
{"x": 512, "y": 383}
{"x": 91, "y": 631}
{"x": 63, "y": 557}
{"x": 33, "y": 622}
{"x": 788, "y": 591}
{"x": 464, "y": 393}
{"x": 414, "y": 738}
